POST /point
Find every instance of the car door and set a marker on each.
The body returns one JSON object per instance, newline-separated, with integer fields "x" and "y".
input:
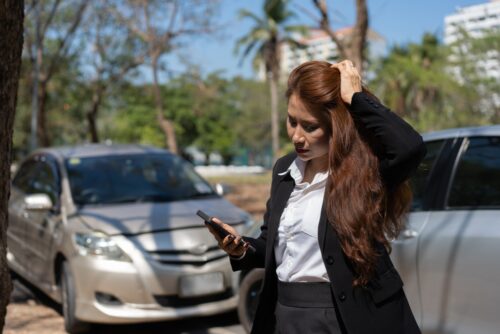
{"x": 404, "y": 248}
{"x": 16, "y": 231}
{"x": 41, "y": 224}
{"x": 459, "y": 248}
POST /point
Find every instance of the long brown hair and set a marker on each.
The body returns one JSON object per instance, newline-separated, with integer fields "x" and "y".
{"x": 362, "y": 210}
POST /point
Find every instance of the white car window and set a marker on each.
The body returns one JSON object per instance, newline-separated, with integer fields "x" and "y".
{"x": 477, "y": 179}
{"x": 419, "y": 181}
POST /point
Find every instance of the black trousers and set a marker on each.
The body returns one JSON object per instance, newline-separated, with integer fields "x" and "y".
{"x": 305, "y": 308}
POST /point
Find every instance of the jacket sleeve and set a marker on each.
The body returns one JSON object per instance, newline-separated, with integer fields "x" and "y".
{"x": 398, "y": 146}
{"x": 254, "y": 259}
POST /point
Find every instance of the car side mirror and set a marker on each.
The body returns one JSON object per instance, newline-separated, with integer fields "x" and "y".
{"x": 222, "y": 189}
{"x": 38, "y": 202}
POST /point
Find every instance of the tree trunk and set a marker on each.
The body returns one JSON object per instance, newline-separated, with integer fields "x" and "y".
{"x": 400, "y": 101}
{"x": 92, "y": 115}
{"x": 42, "y": 133}
{"x": 357, "y": 40}
{"x": 273, "y": 85}
{"x": 11, "y": 43}
{"x": 351, "y": 46}
{"x": 166, "y": 125}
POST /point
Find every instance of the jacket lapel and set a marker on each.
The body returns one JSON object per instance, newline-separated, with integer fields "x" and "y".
{"x": 323, "y": 222}
{"x": 280, "y": 198}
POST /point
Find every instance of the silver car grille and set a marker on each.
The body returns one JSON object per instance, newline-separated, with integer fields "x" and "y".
{"x": 185, "y": 257}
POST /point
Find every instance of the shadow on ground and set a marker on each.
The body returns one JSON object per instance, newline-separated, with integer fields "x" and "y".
{"x": 30, "y": 311}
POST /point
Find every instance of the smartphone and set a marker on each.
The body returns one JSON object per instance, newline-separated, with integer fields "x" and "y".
{"x": 219, "y": 229}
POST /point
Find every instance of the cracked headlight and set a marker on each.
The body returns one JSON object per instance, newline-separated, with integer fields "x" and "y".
{"x": 101, "y": 245}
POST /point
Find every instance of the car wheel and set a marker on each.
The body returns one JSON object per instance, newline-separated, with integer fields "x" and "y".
{"x": 68, "y": 297}
{"x": 249, "y": 297}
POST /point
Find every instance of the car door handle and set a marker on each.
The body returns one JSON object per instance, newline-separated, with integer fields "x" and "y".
{"x": 409, "y": 234}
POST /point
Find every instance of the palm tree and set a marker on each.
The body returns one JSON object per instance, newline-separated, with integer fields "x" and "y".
{"x": 267, "y": 37}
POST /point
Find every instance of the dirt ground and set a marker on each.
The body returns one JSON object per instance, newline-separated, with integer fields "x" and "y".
{"x": 30, "y": 313}
{"x": 26, "y": 313}
{"x": 251, "y": 198}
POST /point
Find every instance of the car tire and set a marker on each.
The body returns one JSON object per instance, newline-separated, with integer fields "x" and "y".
{"x": 249, "y": 293}
{"x": 68, "y": 300}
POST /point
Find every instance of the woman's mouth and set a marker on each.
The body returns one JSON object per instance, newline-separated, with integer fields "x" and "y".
{"x": 300, "y": 150}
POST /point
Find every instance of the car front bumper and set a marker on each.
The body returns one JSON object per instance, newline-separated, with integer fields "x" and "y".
{"x": 145, "y": 290}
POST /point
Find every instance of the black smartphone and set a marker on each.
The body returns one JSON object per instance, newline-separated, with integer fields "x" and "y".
{"x": 219, "y": 229}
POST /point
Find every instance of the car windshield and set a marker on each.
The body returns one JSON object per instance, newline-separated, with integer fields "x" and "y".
{"x": 134, "y": 178}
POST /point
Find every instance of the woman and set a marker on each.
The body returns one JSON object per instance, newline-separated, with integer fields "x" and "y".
{"x": 334, "y": 205}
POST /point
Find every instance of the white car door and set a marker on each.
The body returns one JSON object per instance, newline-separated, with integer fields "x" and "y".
{"x": 41, "y": 225}
{"x": 459, "y": 247}
{"x": 16, "y": 231}
{"x": 405, "y": 247}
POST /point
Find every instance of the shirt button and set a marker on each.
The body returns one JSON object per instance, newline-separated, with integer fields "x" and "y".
{"x": 330, "y": 260}
{"x": 342, "y": 296}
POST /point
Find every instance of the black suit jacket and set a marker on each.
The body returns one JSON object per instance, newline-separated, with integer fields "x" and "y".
{"x": 381, "y": 306}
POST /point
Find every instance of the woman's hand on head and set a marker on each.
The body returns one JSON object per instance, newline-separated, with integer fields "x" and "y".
{"x": 350, "y": 80}
{"x": 231, "y": 245}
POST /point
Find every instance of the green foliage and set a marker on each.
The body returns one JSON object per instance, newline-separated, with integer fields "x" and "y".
{"x": 213, "y": 113}
{"x": 419, "y": 81}
{"x": 134, "y": 119}
{"x": 476, "y": 64}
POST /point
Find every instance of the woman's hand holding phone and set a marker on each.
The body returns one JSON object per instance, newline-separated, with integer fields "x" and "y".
{"x": 231, "y": 243}
{"x": 229, "y": 239}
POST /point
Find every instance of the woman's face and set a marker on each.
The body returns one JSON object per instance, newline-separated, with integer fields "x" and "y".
{"x": 307, "y": 134}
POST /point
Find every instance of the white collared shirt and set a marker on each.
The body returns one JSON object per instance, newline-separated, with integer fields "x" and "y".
{"x": 296, "y": 247}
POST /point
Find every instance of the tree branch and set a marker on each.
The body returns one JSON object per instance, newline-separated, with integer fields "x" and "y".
{"x": 43, "y": 30}
{"x": 358, "y": 37}
{"x": 128, "y": 23}
{"x": 325, "y": 25}
{"x": 62, "y": 48}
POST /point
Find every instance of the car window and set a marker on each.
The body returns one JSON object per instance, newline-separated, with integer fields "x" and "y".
{"x": 477, "y": 178}
{"x": 24, "y": 177}
{"x": 419, "y": 181}
{"x": 45, "y": 182}
{"x": 134, "y": 178}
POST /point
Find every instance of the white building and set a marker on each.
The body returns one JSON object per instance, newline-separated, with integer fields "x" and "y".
{"x": 476, "y": 20}
{"x": 319, "y": 46}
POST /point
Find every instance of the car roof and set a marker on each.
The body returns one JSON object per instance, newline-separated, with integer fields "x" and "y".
{"x": 490, "y": 130}
{"x": 95, "y": 150}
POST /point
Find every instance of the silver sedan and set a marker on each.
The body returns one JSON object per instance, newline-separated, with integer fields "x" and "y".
{"x": 111, "y": 232}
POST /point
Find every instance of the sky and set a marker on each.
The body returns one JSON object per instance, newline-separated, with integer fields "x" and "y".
{"x": 398, "y": 21}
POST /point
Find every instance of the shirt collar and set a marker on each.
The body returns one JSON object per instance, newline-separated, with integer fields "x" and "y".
{"x": 296, "y": 170}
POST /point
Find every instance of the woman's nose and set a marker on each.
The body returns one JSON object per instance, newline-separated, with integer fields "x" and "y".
{"x": 298, "y": 136}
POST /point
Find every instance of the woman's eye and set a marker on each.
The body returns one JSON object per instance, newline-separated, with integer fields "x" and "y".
{"x": 310, "y": 128}
{"x": 292, "y": 122}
